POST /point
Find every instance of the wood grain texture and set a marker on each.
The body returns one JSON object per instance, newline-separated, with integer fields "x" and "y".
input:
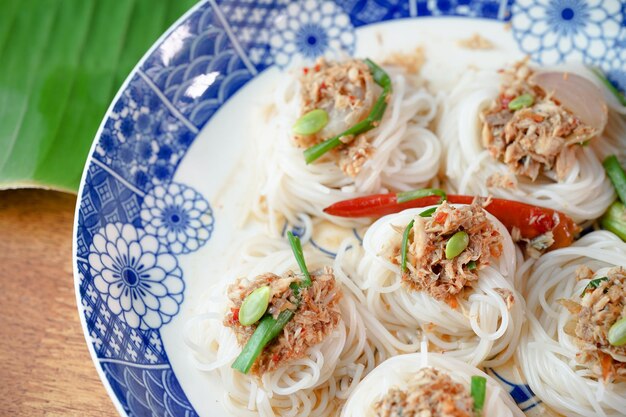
{"x": 45, "y": 365}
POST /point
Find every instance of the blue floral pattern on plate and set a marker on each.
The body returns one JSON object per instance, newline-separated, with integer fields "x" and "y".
{"x": 178, "y": 216}
{"x": 551, "y": 32}
{"x": 134, "y": 223}
{"x": 310, "y": 29}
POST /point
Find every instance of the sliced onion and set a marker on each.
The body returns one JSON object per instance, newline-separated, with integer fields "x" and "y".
{"x": 577, "y": 94}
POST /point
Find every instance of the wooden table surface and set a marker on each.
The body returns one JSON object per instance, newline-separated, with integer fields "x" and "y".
{"x": 45, "y": 364}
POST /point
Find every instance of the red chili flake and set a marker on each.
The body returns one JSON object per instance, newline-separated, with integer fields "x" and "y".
{"x": 305, "y": 70}
{"x": 537, "y": 117}
{"x": 317, "y": 67}
{"x": 323, "y": 86}
{"x": 275, "y": 357}
{"x": 235, "y": 312}
{"x": 505, "y": 100}
{"x": 441, "y": 217}
{"x": 352, "y": 98}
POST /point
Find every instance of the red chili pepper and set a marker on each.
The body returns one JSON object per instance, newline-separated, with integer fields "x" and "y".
{"x": 235, "y": 312}
{"x": 305, "y": 70}
{"x": 531, "y": 221}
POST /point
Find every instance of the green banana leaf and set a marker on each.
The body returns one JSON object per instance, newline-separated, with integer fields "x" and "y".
{"x": 61, "y": 63}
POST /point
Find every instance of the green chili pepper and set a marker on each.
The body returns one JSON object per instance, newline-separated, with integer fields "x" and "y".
{"x": 456, "y": 244}
{"x": 471, "y": 265}
{"x": 405, "y": 244}
{"x": 311, "y": 122}
{"x": 525, "y": 100}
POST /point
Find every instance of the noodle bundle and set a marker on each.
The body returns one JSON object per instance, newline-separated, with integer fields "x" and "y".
{"x": 547, "y": 353}
{"x": 406, "y": 155}
{"x": 584, "y": 193}
{"x": 483, "y": 329}
{"x": 307, "y": 386}
{"x": 398, "y": 371}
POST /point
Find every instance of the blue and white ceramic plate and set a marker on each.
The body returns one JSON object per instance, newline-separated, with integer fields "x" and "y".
{"x": 158, "y": 203}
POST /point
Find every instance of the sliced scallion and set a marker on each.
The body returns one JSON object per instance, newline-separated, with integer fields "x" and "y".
{"x": 479, "y": 391}
{"x": 616, "y": 174}
{"x": 614, "y": 220}
{"x": 405, "y": 245}
{"x": 405, "y": 196}
{"x": 471, "y": 265}
{"x": 428, "y": 212}
{"x": 608, "y": 84}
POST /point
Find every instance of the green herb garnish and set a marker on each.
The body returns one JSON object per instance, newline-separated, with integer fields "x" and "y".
{"x": 618, "y": 95}
{"x": 428, "y": 212}
{"x": 471, "y": 265}
{"x": 616, "y": 174}
{"x": 405, "y": 196}
{"x": 405, "y": 244}
{"x": 593, "y": 284}
{"x": 614, "y": 220}
{"x": 479, "y": 391}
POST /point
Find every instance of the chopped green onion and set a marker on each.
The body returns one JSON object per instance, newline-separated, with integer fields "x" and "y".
{"x": 614, "y": 220}
{"x": 265, "y": 332}
{"x": 525, "y": 100}
{"x": 405, "y": 244}
{"x": 380, "y": 76}
{"x": 254, "y": 305}
{"x": 456, "y": 244}
{"x": 616, "y": 174}
{"x": 471, "y": 265}
{"x": 311, "y": 122}
{"x": 405, "y": 196}
{"x": 593, "y": 284}
{"x": 269, "y": 327}
{"x": 617, "y": 333}
{"x": 428, "y": 212}
{"x": 296, "y": 247}
{"x": 618, "y": 95}
{"x": 479, "y": 391}
{"x": 371, "y": 121}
